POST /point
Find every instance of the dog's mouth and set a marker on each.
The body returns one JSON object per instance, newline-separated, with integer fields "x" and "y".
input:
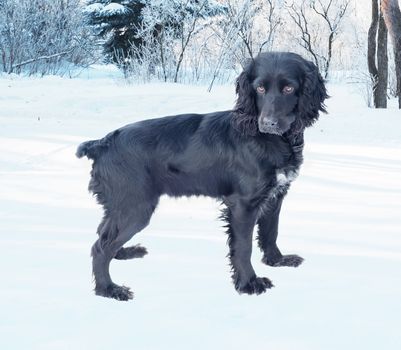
{"x": 275, "y": 124}
{"x": 270, "y": 130}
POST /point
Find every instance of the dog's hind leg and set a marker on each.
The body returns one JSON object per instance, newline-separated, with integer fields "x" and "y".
{"x": 114, "y": 231}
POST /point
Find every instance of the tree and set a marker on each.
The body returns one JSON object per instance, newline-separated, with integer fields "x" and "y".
{"x": 43, "y": 36}
{"x": 392, "y": 17}
{"x": 247, "y": 28}
{"x": 314, "y": 19}
{"x": 116, "y": 23}
{"x": 148, "y": 31}
{"x": 255, "y": 22}
{"x": 377, "y": 52}
{"x": 173, "y": 24}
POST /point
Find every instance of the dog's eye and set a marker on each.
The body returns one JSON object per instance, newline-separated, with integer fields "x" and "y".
{"x": 260, "y": 89}
{"x": 287, "y": 90}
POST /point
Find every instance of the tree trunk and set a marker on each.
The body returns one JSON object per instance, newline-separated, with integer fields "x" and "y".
{"x": 372, "y": 39}
{"x": 378, "y": 52}
{"x": 372, "y": 46}
{"x": 392, "y": 16}
{"x": 380, "y": 95}
{"x": 329, "y": 54}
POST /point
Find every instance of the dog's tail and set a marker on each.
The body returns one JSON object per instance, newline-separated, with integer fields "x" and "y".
{"x": 88, "y": 148}
{"x": 92, "y": 149}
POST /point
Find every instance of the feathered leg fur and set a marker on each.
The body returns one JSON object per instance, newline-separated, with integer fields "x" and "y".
{"x": 267, "y": 237}
{"x": 240, "y": 224}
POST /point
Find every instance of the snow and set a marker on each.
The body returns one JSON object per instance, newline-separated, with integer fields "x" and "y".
{"x": 93, "y": 8}
{"x": 113, "y": 9}
{"x": 342, "y": 215}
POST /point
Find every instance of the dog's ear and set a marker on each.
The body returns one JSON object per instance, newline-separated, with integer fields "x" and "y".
{"x": 313, "y": 94}
{"x": 245, "y": 115}
{"x": 245, "y": 93}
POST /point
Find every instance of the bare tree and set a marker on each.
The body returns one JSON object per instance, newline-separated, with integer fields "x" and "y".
{"x": 248, "y": 28}
{"x": 43, "y": 36}
{"x": 174, "y": 25}
{"x": 243, "y": 14}
{"x": 255, "y": 23}
{"x": 332, "y": 12}
{"x": 186, "y": 30}
{"x": 297, "y": 12}
{"x": 226, "y": 35}
{"x": 377, "y": 52}
{"x": 273, "y": 20}
{"x": 329, "y": 15}
{"x": 392, "y": 17}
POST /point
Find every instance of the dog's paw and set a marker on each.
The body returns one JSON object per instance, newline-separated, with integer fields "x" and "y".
{"x": 116, "y": 292}
{"x": 256, "y": 285}
{"x": 285, "y": 260}
{"x": 135, "y": 251}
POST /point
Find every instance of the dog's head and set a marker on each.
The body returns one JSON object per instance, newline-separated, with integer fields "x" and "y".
{"x": 278, "y": 92}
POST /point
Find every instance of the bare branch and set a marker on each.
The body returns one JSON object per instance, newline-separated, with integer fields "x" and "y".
{"x": 331, "y": 13}
{"x": 18, "y": 65}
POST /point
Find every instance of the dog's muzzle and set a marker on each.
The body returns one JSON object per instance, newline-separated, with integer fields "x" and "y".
{"x": 269, "y": 126}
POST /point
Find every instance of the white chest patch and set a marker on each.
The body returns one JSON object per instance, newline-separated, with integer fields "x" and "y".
{"x": 284, "y": 177}
{"x": 281, "y": 178}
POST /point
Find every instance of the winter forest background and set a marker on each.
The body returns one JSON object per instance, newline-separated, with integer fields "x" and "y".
{"x": 202, "y": 41}
{"x": 73, "y": 70}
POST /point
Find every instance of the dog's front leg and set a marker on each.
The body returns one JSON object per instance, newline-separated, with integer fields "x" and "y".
{"x": 267, "y": 237}
{"x": 241, "y": 221}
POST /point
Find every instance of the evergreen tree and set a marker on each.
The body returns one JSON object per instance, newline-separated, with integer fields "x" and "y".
{"x": 117, "y": 23}
{"x": 120, "y": 22}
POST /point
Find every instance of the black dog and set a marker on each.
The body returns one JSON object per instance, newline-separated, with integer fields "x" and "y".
{"x": 246, "y": 157}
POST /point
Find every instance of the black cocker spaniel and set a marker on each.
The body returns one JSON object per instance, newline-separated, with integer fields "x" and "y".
{"x": 245, "y": 157}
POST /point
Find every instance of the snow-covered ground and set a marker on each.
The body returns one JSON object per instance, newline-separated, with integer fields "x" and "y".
{"x": 343, "y": 215}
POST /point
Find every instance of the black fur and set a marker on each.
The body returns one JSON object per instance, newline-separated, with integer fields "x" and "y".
{"x": 246, "y": 157}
